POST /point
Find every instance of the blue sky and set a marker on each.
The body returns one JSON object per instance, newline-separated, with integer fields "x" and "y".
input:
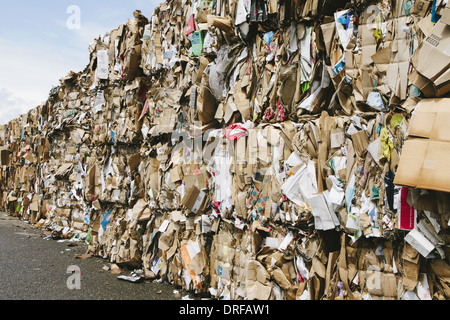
{"x": 37, "y": 48}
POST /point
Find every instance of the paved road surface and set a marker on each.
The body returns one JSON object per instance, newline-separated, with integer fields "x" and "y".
{"x": 33, "y": 268}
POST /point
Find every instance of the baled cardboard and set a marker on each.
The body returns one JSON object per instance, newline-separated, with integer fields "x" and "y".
{"x": 422, "y": 162}
{"x": 312, "y": 155}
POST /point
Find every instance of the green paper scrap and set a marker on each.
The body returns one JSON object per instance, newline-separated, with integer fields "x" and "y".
{"x": 197, "y": 43}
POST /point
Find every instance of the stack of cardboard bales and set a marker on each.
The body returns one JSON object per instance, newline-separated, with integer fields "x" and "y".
{"x": 252, "y": 149}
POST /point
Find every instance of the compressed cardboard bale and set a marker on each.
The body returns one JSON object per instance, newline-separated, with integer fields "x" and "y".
{"x": 321, "y": 99}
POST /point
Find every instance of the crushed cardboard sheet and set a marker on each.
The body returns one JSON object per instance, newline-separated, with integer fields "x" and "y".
{"x": 252, "y": 150}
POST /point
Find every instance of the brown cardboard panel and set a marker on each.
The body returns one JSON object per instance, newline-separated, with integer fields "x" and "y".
{"x": 423, "y": 158}
{"x": 5, "y": 157}
{"x": 423, "y": 164}
{"x": 410, "y": 165}
{"x": 435, "y": 173}
{"x": 134, "y": 161}
{"x": 430, "y": 119}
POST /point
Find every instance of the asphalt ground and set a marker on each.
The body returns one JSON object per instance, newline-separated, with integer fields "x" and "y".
{"x": 35, "y": 268}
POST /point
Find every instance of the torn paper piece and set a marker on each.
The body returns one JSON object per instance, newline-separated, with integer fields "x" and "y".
{"x": 418, "y": 241}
